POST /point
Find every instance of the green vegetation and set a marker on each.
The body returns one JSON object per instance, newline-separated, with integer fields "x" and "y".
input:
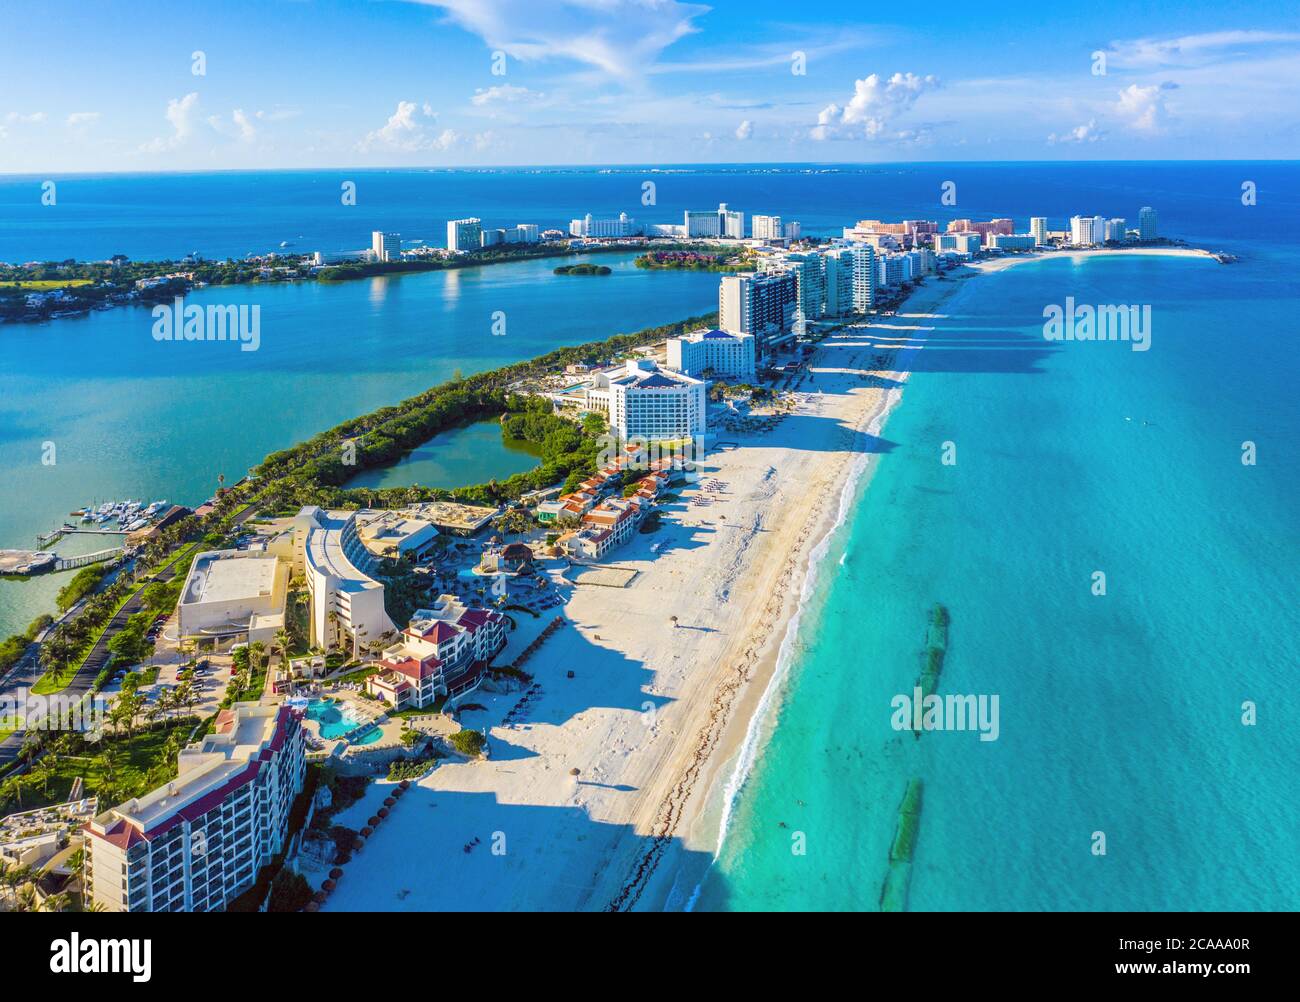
{"x": 81, "y": 585}
{"x": 411, "y": 768}
{"x": 116, "y": 768}
{"x": 583, "y": 269}
{"x": 65, "y": 651}
{"x": 290, "y": 892}
{"x": 690, "y": 260}
{"x": 312, "y": 472}
{"x": 468, "y": 742}
{"x": 44, "y": 284}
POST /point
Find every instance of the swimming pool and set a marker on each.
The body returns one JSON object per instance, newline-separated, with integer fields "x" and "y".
{"x": 336, "y": 720}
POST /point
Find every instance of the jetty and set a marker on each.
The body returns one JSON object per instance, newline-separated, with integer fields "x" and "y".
{"x": 44, "y": 539}
{"x": 26, "y": 563}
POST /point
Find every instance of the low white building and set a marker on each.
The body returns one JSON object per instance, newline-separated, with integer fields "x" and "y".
{"x": 233, "y": 596}
{"x": 393, "y": 534}
{"x": 726, "y": 354}
{"x": 197, "y": 842}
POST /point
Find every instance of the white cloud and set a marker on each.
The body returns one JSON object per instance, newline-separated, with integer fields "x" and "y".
{"x": 1086, "y": 133}
{"x": 505, "y": 94}
{"x": 621, "y": 38}
{"x": 400, "y": 132}
{"x": 873, "y": 107}
{"x": 83, "y": 117}
{"x": 745, "y": 130}
{"x": 1194, "y": 50}
{"x": 182, "y": 114}
{"x": 239, "y": 127}
{"x": 17, "y": 118}
{"x": 1143, "y": 108}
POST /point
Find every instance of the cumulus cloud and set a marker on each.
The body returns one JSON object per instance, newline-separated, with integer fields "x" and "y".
{"x": 401, "y": 132}
{"x": 82, "y": 117}
{"x": 17, "y": 118}
{"x": 875, "y": 104}
{"x": 1143, "y": 108}
{"x": 620, "y": 38}
{"x": 1086, "y": 133}
{"x": 405, "y": 132}
{"x": 182, "y": 114}
{"x": 745, "y": 130}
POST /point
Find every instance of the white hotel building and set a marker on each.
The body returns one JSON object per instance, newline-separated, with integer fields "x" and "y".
{"x": 649, "y": 403}
{"x": 330, "y": 554}
{"x": 588, "y": 226}
{"x": 464, "y": 234}
{"x": 386, "y": 246}
{"x": 726, "y": 354}
{"x": 199, "y": 841}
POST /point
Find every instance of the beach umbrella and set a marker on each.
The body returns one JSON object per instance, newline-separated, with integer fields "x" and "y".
{"x": 327, "y": 886}
{"x": 319, "y": 897}
{"x": 389, "y": 801}
{"x": 358, "y": 844}
{"x": 367, "y": 832}
{"x": 575, "y": 771}
{"x": 336, "y": 873}
{"x": 372, "y": 821}
{"x": 383, "y": 812}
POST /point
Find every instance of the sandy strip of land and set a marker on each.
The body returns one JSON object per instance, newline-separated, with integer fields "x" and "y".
{"x": 992, "y": 264}
{"x": 657, "y": 710}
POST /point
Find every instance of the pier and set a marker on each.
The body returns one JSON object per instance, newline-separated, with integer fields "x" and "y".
{"x": 26, "y": 563}
{"x": 54, "y": 535}
{"x": 68, "y": 563}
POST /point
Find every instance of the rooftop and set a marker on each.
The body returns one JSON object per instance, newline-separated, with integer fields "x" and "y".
{"x": 230, "y": 576}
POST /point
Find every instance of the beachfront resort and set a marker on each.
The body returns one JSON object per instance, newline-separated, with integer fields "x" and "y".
{"x": 324, "y": 658}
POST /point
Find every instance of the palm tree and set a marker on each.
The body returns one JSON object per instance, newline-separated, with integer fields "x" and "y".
{"x": 13, "y": 790}
{"x": 284, "y": 640}
{"x": 256, "y": 651}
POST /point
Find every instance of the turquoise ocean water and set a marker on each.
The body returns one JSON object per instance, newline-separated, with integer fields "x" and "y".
{"x": 1120, "y": 713}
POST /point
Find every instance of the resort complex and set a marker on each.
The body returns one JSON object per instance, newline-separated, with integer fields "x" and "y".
{"x": 197, "y": 842}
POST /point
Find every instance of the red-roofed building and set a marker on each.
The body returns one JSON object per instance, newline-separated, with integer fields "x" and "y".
{"x": 200, "y": 840}
{"x": 443, "y": 652}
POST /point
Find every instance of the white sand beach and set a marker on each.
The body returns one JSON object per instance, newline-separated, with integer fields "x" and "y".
{"x": 657, "y": 710}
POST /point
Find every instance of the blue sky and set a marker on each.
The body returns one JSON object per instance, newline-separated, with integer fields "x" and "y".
{"x": 111, "y": 85}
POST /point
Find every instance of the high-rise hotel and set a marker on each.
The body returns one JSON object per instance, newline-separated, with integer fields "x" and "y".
{"x": 196, "y": 843}
{"x": 761, "y": 304}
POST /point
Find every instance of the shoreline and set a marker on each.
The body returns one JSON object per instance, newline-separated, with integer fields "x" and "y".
{"x": 755, "y": 711}
{"x": 657, "y": 715}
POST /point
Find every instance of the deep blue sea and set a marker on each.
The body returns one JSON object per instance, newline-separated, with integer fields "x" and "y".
{"x": 1119, "y": 714}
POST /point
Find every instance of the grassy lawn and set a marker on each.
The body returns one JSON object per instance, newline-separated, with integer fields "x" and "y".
{"x": 47, "y": 283}
{"x": 9, "y": 726}
{"x": 57, "y": 679}
{"x": 139, "y": 767}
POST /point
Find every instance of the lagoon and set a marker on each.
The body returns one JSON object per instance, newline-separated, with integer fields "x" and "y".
{"x": 461, "y": 457}
{"x": 131, "y": 417}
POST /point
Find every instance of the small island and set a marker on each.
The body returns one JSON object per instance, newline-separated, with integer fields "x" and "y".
{"x": 583, "y": 269}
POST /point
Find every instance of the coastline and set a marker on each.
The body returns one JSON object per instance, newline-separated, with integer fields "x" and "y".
{"x": 658, "y": 714}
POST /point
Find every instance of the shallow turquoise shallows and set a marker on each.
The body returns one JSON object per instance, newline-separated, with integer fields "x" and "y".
{"x": 1119, "y": 714}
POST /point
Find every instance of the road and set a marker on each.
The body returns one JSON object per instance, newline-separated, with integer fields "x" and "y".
{"x": 24, "y": 674}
